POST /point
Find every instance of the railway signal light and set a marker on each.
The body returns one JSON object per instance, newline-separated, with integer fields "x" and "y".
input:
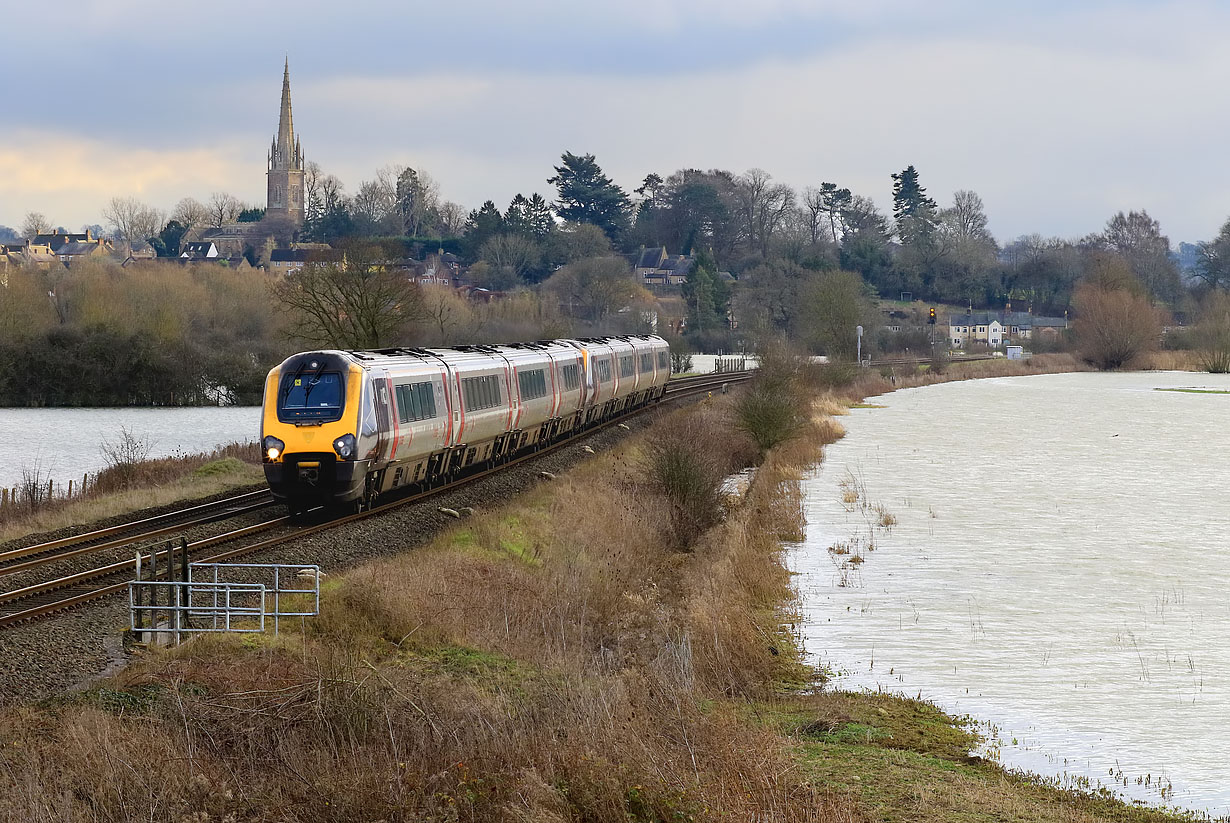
{"x": 931, "y": 318}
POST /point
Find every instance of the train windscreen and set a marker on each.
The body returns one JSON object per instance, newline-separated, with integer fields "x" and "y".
{"x": 311, "y": 397}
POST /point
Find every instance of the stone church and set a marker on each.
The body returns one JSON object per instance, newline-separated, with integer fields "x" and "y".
{"x": 285, "y": 202}
{"x": 285, "y": 174}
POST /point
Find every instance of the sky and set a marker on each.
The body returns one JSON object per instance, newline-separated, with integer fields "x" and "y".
{"x": 1058, "y": 114}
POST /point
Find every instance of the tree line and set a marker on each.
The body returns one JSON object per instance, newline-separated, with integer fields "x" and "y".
{"x": 766, "y": 258}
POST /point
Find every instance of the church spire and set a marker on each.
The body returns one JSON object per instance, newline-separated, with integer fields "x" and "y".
{"x": 286, "y": 167}
{"x": 286, "y": 150}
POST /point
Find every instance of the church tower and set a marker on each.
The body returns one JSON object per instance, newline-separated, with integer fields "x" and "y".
{"x": 285, "y": 173}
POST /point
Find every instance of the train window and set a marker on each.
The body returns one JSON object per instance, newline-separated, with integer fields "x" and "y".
{"x": 533, "y": 384}
{"x": 647, "y": 363}
{"x": 416, "y": 401}
{"x": 572, "y": 377}
{"x": 602, "y": 368}
{"x": 310, "y": 396}
{"x": 627, "y": 366}
{"x": 664, "y": 360}
{"x": 481, "y": 392}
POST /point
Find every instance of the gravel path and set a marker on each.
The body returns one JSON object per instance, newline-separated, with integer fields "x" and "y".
{"x": 75, "y": 649}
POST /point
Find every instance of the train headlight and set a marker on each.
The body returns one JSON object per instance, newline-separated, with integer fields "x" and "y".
{"x": 344, "y": 446}
{"x": 272, "y": 447}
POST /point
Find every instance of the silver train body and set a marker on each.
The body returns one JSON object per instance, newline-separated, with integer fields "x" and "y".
{"x": 343, "y": 427}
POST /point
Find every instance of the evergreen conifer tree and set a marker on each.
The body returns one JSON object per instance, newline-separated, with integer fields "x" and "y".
{"x": 587, "y": 195}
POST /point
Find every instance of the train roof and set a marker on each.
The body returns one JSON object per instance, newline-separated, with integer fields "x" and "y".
{"x": 435, "y": 352}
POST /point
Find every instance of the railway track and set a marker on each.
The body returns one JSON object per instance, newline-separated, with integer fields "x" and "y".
{"x": 40, "y": 554}
{"x": 42, "y": 598}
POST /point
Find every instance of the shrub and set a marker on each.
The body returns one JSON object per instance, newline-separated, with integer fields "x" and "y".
{"x": 1115, "y": 327}
{"x": 124, "y": 456}
{"x": 770, "y": 411}
{"x": 33, "y": 491}
{"x": 687, "y": 469}
{"x": 1211, "y": 337}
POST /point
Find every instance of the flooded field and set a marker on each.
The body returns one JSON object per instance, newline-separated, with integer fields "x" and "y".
{"x": 65, "y": 443}
{"x": 1050, "y": 555}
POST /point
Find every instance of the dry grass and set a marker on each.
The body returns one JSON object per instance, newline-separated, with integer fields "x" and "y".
{"x": 555, "y": 660}
{"x": 865, "y": 383}
{"x": 1174, "y": 361}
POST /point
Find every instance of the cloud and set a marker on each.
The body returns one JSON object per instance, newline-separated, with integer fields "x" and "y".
{"x": 70, "y": 179}
{"x": 1055, "y": 138}
{"x": 1058, "y": 114}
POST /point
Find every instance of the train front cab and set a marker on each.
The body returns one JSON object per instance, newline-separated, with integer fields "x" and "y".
{"x": 309, "y": 430}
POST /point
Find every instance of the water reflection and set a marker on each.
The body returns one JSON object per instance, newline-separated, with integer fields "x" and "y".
{"x": 1056, "y": 565}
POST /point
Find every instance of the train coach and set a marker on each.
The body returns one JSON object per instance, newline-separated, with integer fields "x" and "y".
{"x": 341, "y": 428}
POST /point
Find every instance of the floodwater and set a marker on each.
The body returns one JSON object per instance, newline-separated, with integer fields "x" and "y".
{"x": 1059, "y": 569}
{"x": 63, "y": 444}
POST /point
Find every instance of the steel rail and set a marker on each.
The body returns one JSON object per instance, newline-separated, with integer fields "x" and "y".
{"x": 36, "y": 562}
{"x": 157, "y": 530}
{"x": 675, "y": 389}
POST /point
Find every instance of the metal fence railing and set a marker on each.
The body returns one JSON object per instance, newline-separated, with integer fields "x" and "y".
{"x": 221, "y": 597}
{"x": 291, "y": 587}
{"x": 167, "y": 607}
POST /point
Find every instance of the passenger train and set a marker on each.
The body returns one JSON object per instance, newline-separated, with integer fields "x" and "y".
{"x": 343, "y": 427}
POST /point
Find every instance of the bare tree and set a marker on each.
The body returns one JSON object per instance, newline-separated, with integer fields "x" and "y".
{"x": 762, "y": 206}
{"x": 968, "y": 217}
{"x": 578, "y": 241}
{"x": 1115, "y": 324}
{"x": 591, "y": 289}
{"x": 34, "y": 224}
{"x": 223, "y": 208}
{"x": 962, "y": 233}
{"x": 814, "y": 208}
{"x": 1212, "y": 333}
{"x": 311, "y": 188}
{"x": 515, "y": 252}
{"x": 133, "y": 220}
{"x": 792, "y": 237}
{"x": 1139, "y": 239}
{"x": 375, "y": 207}
{"x": 831, "y": 306}
{"x": 451, "y": 318}
{"x": 191, "y": 213}
{"x": 352, "y": 305}
{"x": 1213, "y": 267}
{"x": 452, "y": 218}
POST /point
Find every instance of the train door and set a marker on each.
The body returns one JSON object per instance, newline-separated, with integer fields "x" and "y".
{"x": 384, "y": 416}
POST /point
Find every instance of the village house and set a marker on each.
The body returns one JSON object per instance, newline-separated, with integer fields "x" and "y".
{"x": 654, "y": 267}
{"x": 439, "y": 269}
{"x": 994, "y": 328}
{"x": 199, "y": 250}
{"x": 27, "y": 253}
{"x": 289, "y": 261}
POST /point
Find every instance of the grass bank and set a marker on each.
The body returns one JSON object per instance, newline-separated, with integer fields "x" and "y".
{"x": 131, "y": 485}
{"x": 613, "y": 646}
